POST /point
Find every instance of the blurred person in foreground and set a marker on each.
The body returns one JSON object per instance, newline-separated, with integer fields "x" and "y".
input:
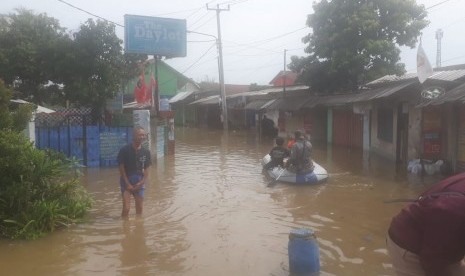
{"x": 134, "y": 161}
{"x": 427, "y": 237}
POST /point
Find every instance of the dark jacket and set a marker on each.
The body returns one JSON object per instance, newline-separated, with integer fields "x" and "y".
{"x": 433, "y": 227}
{"x": 277, "y": 155}
{"x": 300, "y": 159}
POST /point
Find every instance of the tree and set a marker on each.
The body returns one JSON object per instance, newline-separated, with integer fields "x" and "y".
{"x": 43, "y": 64}
{"x": 355, "y": 41}
{"x": 13, "y": 119}
{"x": 99, "y": 66}
{"x": 31, "y": 50}
{"x": 97, "y": 61}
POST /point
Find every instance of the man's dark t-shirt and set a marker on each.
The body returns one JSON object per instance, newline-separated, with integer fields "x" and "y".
{"x": 135, "y": 161}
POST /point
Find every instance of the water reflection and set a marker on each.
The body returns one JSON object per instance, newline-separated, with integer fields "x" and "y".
{"x": 134, "y": 250}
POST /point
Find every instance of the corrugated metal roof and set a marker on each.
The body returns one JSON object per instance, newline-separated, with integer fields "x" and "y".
{"x": 180, "y": 97}
{"x": 455, "y": 94}
{"x": 382, "y": 91}
{"x": 255, "y": 105}
{"x": 367, "y": 95}
{"x": 450, "y": 75}
{"x": 135, "y": 105}
{"x": 446, "y": 75}
{"x": 273, "y": 91}
{"x": 392, "y": 78}
{"x": 289, "y": 103}
{"x": 268, "y": 103}
{"x": 312, "y": 102}
{"x": 259, "y": 104}
{"x": 336, "y": 99}
{"x": 288, "y": 89}
{"x": 207, "y": 100}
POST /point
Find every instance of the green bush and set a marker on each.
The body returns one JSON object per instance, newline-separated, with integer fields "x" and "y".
{"x": 39, "y": 191}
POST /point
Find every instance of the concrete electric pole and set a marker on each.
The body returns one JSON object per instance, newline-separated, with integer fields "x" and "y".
{"x": 284, "y": 74}
{"x": 439, "y": 34}
{"x": 224, "y": 107}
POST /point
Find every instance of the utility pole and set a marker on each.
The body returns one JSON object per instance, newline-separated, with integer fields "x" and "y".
{"x": 284, "y": 75}
{"x": 439, "y": 34}
{"x": 224, "y": 107}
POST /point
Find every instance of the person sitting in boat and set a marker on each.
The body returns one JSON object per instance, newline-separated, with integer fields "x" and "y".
{"x": 277, "y": 154}
{"x": 290, "y": 141}
{"x": 300, "y": 160}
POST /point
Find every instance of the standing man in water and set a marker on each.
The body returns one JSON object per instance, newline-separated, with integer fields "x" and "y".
{"x": 134, "y": 161}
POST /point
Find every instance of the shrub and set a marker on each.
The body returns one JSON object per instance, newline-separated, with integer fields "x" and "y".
{"x": 38, "y": 191}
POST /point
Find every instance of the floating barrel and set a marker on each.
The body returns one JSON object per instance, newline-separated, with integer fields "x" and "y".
{"x": 303, "y": 251}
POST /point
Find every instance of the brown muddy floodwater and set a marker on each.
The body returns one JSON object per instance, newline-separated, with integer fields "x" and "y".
{"x": 208, "y": 211}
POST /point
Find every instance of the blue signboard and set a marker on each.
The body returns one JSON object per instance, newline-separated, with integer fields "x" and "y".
{"x": 155, "y": 36}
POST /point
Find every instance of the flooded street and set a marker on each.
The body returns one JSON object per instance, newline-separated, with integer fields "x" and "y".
{"x": 208, "y": 211}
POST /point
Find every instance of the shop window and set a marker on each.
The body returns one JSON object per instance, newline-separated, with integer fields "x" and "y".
{"x": 385, "y": 124}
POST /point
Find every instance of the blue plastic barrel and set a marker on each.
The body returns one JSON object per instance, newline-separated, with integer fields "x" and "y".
{"x": 304, "y": 253}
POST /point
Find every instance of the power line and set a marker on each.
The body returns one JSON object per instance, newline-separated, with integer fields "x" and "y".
{"x": 251, "y": 45}
{"x": 275, "y": 37}
{"x": 454, "y": 58}
{"x": 196, "y": 41}
{"x": 121, "y": 25}
{"x": 435, "y": 5}
{"x": 206, "y": 52}
{"x": 231, "y": 3}
{"x": 66, "y": 3}
{"x": 203, "y": 24}
{"x": 199, "y": 9}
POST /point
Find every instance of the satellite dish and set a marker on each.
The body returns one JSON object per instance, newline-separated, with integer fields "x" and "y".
{"x": 433, "y": 92}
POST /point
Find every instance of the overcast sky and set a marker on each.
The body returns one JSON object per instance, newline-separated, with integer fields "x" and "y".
{"x": 255, "y": 33}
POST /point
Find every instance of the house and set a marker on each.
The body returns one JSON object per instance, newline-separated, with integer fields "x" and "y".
{"x": 284, "y": 78}
{"x": 393, "y": 116}
{"x": 30, "y": 132}
{"x": 170, "y": 83}
{"x": 418, "y": 120}
{"x": 202, "y": 108}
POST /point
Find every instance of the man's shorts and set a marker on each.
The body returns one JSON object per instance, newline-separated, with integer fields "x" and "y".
{"x": 133, "y": 179}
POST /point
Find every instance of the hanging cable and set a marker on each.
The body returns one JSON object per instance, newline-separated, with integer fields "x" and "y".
{"x": 66, "y": 3}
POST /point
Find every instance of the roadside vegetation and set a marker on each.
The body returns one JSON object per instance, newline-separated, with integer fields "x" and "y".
{"x": 39, "y": 190}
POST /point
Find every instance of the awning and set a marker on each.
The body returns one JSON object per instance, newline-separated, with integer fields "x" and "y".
{"x": 180, "y": 97}
{"x": 207, "y": 100}
{"x": 312, "y": 102}
{"x": 135, "y": 105}
{"x": 366, "y": 95}
{"x": 259, "y": 104}
{"x": 290, "y": 103}
{"x": 333, "y": 100}
{"x": 40, "y": 109}
{"x": 455, "y": 94}
{"x": 383, "y": 92}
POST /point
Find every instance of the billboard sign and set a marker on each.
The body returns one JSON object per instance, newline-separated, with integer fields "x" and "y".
{"x": 155, "y": 35}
